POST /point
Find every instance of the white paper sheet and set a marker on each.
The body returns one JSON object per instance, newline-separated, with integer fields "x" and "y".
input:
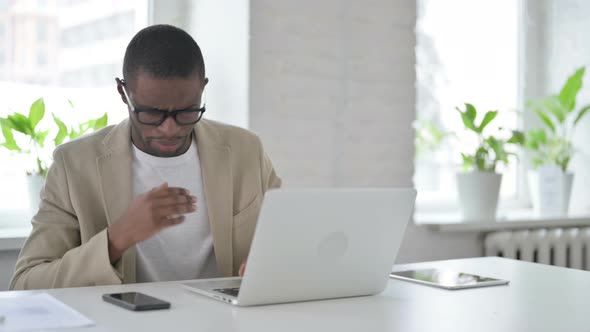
{"x": 38, "y": 311}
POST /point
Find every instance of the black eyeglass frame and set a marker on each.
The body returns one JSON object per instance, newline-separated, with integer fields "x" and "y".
{"x": 164, "y": 114}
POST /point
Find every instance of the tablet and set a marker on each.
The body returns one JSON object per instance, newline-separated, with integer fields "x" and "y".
{"x": 447, "y": 279}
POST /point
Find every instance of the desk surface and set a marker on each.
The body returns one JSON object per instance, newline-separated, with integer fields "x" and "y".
{"x": 539, "y": 298}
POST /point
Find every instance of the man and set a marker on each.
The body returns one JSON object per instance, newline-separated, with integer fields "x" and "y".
{"x": 164, "y": 195}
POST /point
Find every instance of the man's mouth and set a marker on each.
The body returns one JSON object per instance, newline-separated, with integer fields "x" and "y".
{"x": 166, "y": 144}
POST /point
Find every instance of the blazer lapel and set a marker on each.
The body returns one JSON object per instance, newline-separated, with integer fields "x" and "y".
{"x": 218, "y": 189}
{"x": 114, "y": 169}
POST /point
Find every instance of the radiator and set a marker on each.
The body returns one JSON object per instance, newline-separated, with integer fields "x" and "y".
{"x": 565, "y": 247}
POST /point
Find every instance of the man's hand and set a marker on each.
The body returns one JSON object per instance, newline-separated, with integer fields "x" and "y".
{"x": 148, "y": 214}
{"x": 242, "y": 268}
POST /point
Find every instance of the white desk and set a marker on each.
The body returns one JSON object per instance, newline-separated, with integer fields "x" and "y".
{"x": 539, "y": 298}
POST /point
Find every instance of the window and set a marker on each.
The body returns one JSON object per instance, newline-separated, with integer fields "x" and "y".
{"x": 97, "y": 30}
{"x": 41, "y": 58}
{"x": 467, "y": 51}
{"x": 42, "y": 28}
{"x": 75, "y": 54}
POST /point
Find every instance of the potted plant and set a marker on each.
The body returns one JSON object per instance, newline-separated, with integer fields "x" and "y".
{"x": 429, "y": 152}
{"x": 550, "y": 148}
{"x": 479, "y": 183}
{"x": 18, "y": 127}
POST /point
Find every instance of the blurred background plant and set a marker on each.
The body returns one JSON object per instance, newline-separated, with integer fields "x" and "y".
{"x": 23, "y": 134}
{"x": 490, "y": 150}
{"x": 429, "y": 136}
{"x": 551, "y": 144}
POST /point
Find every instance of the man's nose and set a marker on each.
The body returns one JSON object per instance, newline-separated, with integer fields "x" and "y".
{"x": 169, "y": 126}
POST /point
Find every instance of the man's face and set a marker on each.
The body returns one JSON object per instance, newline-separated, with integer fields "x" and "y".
{"x": 168, "y": 139}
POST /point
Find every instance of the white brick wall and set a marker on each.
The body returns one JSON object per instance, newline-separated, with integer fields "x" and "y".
{"x": 332, "y": 89}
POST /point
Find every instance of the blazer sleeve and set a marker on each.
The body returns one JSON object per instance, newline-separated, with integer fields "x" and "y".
{"x": 53, "y": 255}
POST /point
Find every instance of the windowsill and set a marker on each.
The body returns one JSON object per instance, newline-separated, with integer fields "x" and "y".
{"x": 508, "y": 220}
{"x": 12, "y": 238}
{"x": 15, "y": 227}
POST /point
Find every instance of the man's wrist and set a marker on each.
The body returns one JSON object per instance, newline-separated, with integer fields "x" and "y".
{"x": 116, "y": 245}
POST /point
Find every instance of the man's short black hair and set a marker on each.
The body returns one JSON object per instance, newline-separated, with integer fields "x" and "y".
{"x": 163, "y": 51}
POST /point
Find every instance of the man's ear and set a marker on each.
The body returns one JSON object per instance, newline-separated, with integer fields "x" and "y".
{"x": 205, "y": 82}
{"x": 120, "y": 90}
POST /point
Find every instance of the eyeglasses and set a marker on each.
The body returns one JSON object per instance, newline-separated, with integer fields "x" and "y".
{"x": 155, "y": 117}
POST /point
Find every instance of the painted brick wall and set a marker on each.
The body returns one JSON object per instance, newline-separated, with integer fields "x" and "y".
{"x": 332, "y": 89}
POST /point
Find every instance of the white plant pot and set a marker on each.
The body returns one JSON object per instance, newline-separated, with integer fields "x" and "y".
{"x": 478, "y": 195}
{"x": 34, "y": 184}
{"x": 550, "y": 189}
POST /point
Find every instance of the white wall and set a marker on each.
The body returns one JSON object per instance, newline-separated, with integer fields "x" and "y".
{"x": 332, "y": 90}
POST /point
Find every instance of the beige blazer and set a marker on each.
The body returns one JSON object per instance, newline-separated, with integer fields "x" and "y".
{"x": 89, "y": 186}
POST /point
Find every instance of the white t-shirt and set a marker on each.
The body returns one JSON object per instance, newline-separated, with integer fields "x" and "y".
{"x": 183, "y": 251}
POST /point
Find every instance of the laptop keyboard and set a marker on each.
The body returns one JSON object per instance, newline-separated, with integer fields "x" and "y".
{"x": 229, "y": 291}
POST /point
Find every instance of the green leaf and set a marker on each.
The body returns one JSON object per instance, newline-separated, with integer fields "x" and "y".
{"x": 569, "y": 92}
{"x": 20, "y": 123}
{"x": 84, "y": 126}
{"x": 564, "y": 163}
{"x": 100, "y": 122}
{"x": 471, "y": 111}
{"x": 535, "y": 139}
{"x": 498, "y": 148}
{"x": 40, "y": 137}
{"x": 36, "y": 112}
{"x": 468, "y": 161}
{"x": 468, "y": 116}
{"x": 6, "y": 129}
{"x": 62, "y": 133}
{"x": 9, "y": 141}
{"x": 545, "y": 119}
{"x": 539, "y": 135}
{"x": 582, "y": 112}
{"x": 490, "y": 115}
{"x": 73, "y": 134}
{"x": 518, "y": 137}
{"x": 11, "y": 146}
{"x": 554, "y": 106}
{"x": 481, "y": 159}
{"x": 71, "y": 104}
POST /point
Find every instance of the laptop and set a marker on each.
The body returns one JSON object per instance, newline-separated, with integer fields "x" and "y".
{"x": 314, "y": 244}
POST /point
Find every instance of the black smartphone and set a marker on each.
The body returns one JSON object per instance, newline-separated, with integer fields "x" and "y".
{"x": 136, "y": 301}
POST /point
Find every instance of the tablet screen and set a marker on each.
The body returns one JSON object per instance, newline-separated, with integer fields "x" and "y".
{"x": 447, "y": 278}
